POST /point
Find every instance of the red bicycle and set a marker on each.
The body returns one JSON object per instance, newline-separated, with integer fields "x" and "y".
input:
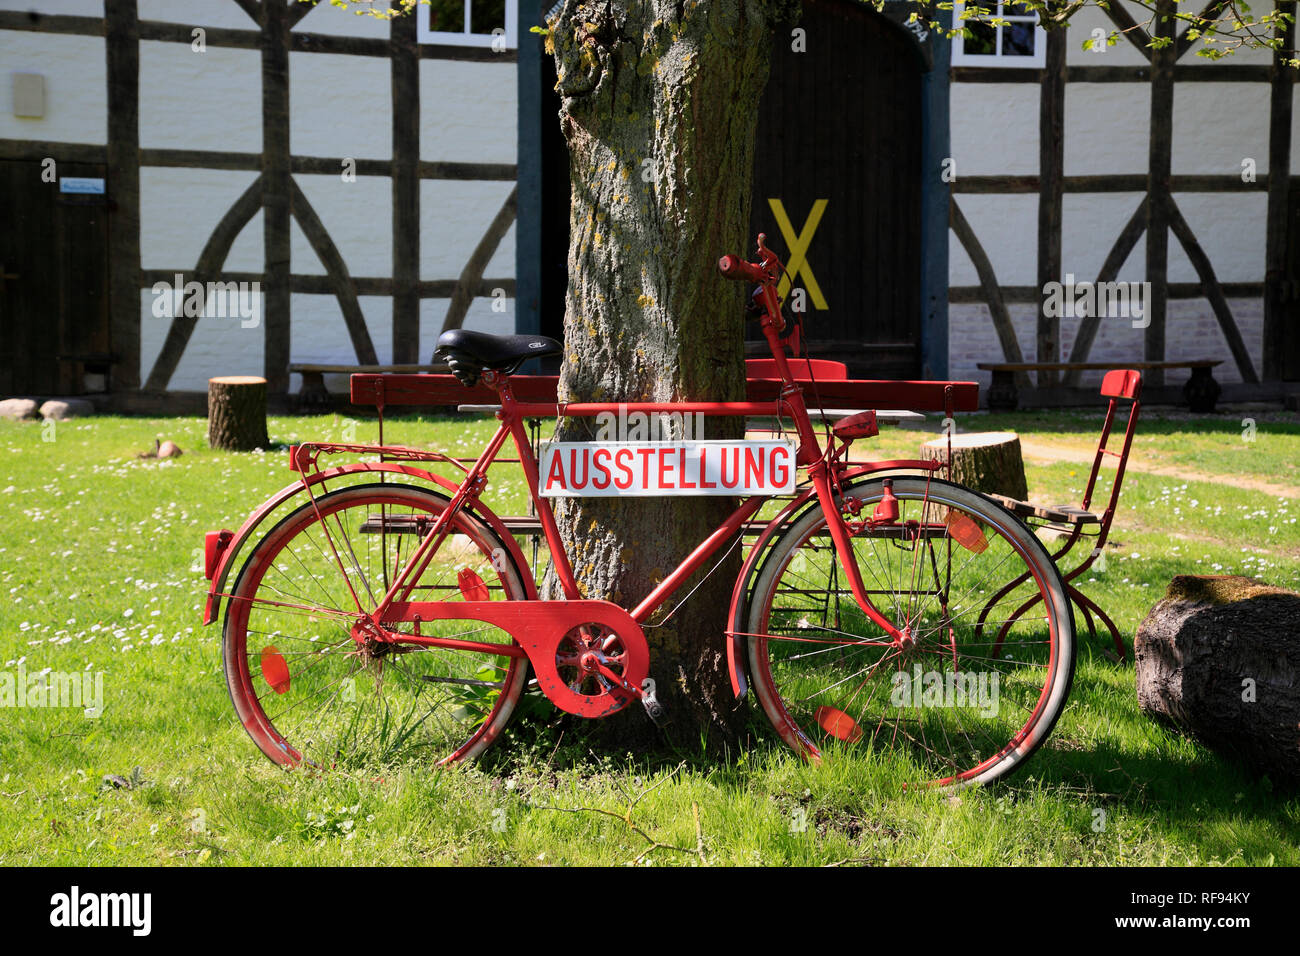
{"x": 376, "y": 618}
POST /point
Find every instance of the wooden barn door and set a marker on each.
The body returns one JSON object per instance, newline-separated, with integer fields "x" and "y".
{"x": 54, "y": 283}
{"x": 837, "y": 184}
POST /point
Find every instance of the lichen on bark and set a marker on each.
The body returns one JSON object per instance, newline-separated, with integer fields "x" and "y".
{"x": 659, "y": 105}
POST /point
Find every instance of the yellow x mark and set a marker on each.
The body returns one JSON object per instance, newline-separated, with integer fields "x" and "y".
{"x": 798, "y": 262}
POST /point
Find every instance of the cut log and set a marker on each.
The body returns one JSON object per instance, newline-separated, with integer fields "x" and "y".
{"x": 1218, "y": 659}
{"x": 237, "y": 413}
{"x": 985, "y": 461}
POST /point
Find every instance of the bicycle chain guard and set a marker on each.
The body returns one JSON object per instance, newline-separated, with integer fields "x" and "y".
{"x": 590, "y": 657}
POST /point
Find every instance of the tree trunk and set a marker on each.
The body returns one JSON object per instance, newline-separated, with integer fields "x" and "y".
{"x": 237, "y": 413}
{"x": 659, "y": 107}
{"x": 1216, "y": 660}
{"x": 985, "y": 461}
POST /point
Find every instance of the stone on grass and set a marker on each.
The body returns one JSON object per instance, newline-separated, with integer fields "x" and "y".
{"x": 1218, "y": 660}
{"x": 16, "y": 409}
{"x": 62, "y": 409}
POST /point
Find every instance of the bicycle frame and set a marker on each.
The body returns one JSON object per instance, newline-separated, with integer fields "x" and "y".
{"x": 826, "y": 468}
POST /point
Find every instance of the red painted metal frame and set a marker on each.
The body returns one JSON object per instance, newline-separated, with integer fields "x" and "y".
{"x": 539, "y": 627}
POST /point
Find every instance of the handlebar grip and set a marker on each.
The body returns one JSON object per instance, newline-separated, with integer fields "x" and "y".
{"x": 734, "y": 267}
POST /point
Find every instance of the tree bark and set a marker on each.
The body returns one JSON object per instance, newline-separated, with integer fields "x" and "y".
{"x": 237, "y": 413}
{"x": 659, "y": 105}
{"x": 1216, "y": 660}
{"x": 985, "y": 461}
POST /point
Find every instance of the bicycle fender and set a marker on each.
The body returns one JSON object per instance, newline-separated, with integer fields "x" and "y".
{"x": 240, "y": 538}
{"x": 737, "y": 625}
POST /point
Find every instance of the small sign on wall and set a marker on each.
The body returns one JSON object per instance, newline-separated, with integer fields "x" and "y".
{"x": 84, "y": 185}
{"x": 665, "y": 469}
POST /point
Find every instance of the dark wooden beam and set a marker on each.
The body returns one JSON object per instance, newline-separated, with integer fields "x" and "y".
{"x": 318, "y": 165}
{"x": 1213, "y": 10}
{"x": 36, "y": 150}
{"x": 298, "y": 10}
{"x": 1115, "y": 259}
{"x": 1129, "y": 28}
{"x": 1213, "y": 291}
{"x": 991, "y": 292}
{"x": 212, "y": 36}
{"x": 1110, "y": 183}
{"x": 1281, "y": 323}
{"x": 208, "y": 269}
{"x": 1218, "y": 72}
{"x": 471, "y": 276}
{"x": 252, "y": 8}
{"x": 276, "y": 194}
{"x": 122, "y": 53}
{"x": 327, "y": 285}
{"x": 1051, "y": 166}
{"x": 1017, "y": 294}
{"x": 1159, "y": 153}
{"x": 336, "y": 270}
{"x": 34, "y": 22}
{"x": 405, "y": 81}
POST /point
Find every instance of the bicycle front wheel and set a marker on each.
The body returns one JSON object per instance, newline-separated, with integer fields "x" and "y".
{"x": 307, "y": 683}
{"x": 963, "y": 701}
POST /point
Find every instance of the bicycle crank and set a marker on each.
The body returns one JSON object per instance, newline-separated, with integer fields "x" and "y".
{"x": 590, "y": 657}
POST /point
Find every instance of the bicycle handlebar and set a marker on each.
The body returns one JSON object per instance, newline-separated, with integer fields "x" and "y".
{"x": 734, "y": 267}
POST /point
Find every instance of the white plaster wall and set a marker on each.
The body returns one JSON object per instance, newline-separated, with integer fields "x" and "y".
{"x": 1006, "y": 227}
{"x": 76, "y": 109}
{"x": 468, "y": 111}
{"x": 325, "y": 18}
{"x": 218, "y": 346}
{"x": 994, "y": 128}
{"x": 197, "y": 13}
{"x": 190, "y": 100}
{"x": 1216, "y": 125}
{"x": 1107, "y": 128}
{"x": 453, "y": 218}
{"x": 1125, "y": 53}
{"x": 339, "y": 106}
{"x": 179, "y": 208}
{"x": 358, "y": 217}
{"x": 1089, "y": 226}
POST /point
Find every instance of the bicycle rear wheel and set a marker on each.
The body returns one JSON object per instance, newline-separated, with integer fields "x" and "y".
{"x": 309, "y": 688}
{"x": 960, "y": 706}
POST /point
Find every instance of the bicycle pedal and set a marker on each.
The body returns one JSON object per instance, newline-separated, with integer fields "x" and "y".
{"x": 654, "y": 710}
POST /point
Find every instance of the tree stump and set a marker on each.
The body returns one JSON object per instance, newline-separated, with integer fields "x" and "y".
{"x": 985, "y": 461}
{"x": 1218, "y": 659}
{"x": 237, "y": 413}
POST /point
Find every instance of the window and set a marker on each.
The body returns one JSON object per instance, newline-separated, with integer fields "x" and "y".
{"x": 1018, "y": 42}
{"x": 469, "y": 23}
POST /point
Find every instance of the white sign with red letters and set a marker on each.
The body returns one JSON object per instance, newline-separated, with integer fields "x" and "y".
{"x": 661, "y": 469}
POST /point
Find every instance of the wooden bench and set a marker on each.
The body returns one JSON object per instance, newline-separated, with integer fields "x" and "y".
{"x": 314, "y": 394}
{"x": 1201, "y": 390}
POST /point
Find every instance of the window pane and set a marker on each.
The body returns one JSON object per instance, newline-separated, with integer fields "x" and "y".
{"x": 982, "y": 41}
{"x": 446, "y": 16}
{"x": 1017, "y": 10}
{"x": 487, "y": 15}
{"x": 1018, "y": 39}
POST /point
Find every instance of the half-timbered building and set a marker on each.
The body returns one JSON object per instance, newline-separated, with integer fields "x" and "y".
{"x": 343, "y": 188}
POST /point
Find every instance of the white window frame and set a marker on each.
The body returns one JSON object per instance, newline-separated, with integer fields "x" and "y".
{"x": 447, "y": 38}
{"x": 961, "y": 58}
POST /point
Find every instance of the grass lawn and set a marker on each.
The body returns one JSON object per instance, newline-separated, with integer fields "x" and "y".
{"x": 101, "y": 566}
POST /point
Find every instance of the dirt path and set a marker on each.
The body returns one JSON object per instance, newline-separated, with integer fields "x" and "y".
{"x": 1051, "y": 454}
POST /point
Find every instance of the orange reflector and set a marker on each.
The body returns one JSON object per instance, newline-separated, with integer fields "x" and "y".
{"x": 472, "y": 587}
{"x": 274, "y": 669}
{"x": 838, "y": 724}
{"x": 966, "y": 531}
